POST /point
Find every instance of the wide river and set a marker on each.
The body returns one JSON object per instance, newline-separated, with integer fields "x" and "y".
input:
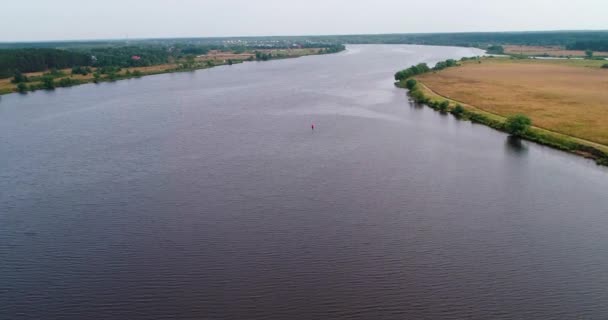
{"x": 206, "y": 195}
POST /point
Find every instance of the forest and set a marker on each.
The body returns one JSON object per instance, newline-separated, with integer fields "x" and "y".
{"x": 23, "y": 60}
{"x": 600, "y": 45}
{"x": 31, "y": 57}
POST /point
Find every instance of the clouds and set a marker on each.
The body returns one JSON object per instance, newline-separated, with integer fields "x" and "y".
{"x": 76, "y": 19}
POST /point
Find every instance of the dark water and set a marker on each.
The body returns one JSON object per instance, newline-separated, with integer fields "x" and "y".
{"x": 205, "y": 195}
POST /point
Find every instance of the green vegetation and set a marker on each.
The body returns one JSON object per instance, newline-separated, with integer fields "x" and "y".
{"x": 81, "y": 70}
{"x": 67, "y": 82}
{"x": 48, "y": 83}
{"x": 410, "y": 84}
{"x": 32, "y": 60}
{"x": 81, "y": 56}
{"x": 518, "y": 124}
{"x": 422, "y": 68}
{"x": 445, "y": 64}
{"x": 495, "y": 49}
{"x": 19, "y": 77}
{"x": 22, "y": 87}
{"x": 412, "y": 71}
{"x": 333, "y": 49}
{"x": 444, "y": 106}
{"x": 605, "y": 66}
{"x": 458, "y": 111}
{"x": 595, "y": 45}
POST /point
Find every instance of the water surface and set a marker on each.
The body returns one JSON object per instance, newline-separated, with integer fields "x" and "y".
{"x": 205, "y": 195}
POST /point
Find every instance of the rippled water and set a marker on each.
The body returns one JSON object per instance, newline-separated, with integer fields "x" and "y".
{"x": 205, "y": 195}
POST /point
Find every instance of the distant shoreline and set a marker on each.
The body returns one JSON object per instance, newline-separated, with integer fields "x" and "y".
{"x": 66, "y": 79}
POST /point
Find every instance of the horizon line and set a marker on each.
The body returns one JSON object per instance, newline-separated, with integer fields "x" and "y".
{"x": 288, "y": 36}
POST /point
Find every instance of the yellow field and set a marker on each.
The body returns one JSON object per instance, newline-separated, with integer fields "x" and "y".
{"x": 565, "y": 96}
{"x": 552, "y": 51}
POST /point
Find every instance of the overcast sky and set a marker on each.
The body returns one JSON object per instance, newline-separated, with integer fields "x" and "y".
{"x": 34, "y": 20}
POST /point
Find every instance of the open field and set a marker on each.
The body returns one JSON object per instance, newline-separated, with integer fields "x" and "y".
{"x": 552, "y": 51}
{"x": 565, "y": 96}
{"x": 215, "y": 55}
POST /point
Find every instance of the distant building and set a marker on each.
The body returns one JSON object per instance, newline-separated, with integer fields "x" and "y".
{"x": 136, "y": 58}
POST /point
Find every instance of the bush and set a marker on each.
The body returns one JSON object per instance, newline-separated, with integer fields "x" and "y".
{"x": 48, "y": 83}
{"x": 54, "y": 73}
{"x": 410, "y": 84}
{"x": 518, "y": 124}
{"x": 19, "y": 77}
{"x": 496, "y": 49}
{"x": 81, "y": 70}
{"x": 66, "y": 82}
{"x": 412, "y": 71}
{"x": 418, "y": 96}
{"x": 458, "y": 111}
{"x": 22, "y": 87}
{"x": 605, "y": 66}
{"x": 444, "y": 105}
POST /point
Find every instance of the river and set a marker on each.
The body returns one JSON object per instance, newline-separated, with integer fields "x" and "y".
{"x": 206, "y": 195}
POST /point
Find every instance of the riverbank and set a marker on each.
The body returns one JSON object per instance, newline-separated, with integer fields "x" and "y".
{"x": 562, "y": 99}
{"x": 66, "y": 78}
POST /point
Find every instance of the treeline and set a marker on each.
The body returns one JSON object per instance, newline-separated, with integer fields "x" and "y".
{"x": 129, "y": 56}
{"x": 333, "y": 48}
{"x": 601, "y": 45}
{"x": 474, "y": 39}
{"x": 423, "y": 68}
{"x": 14, "y": 61}
{"x": 32, "y": 60}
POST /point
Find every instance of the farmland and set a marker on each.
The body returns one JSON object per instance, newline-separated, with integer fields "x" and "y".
{"x": 565, "y": 96}
{"x": 550, "y": 51}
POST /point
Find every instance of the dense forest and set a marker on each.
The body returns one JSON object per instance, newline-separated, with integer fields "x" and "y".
{"x": 30, "y": 60}
{"x": 29, "y": 57}
{"x": 601, "y": 45}
{"x": 22, "y": 60}
{"x": 476, "y": 39}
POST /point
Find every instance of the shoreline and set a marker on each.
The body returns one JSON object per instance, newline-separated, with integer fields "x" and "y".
{"x": 132, "y": 73}
{"x": 424, "y": 95}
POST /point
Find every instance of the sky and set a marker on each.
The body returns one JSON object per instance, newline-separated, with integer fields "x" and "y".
{"x": 36, "y": 20}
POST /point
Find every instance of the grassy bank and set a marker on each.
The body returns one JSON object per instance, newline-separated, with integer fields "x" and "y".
{"x": 422, "y": 92}
{"x": 52, "y": 79}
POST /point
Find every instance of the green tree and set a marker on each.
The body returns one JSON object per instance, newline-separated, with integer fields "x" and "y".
{"x": 589, "y": 54}
{"x": 48, "y": 83}
{"x": 19, "y": 77}
{"x": 66, "y": 82}
{"x": 189, "y": 64}
{"x": 517, "y": 124}
{"x": 22, "y": 87}
{"x": 410, "y": 84}
{"x": 458, "y": 111}
{"x": 496, "y": 50}
{"x": 444, "y": 105}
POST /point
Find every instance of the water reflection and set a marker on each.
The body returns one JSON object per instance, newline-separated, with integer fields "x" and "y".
{"x": 515, "y": 145}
